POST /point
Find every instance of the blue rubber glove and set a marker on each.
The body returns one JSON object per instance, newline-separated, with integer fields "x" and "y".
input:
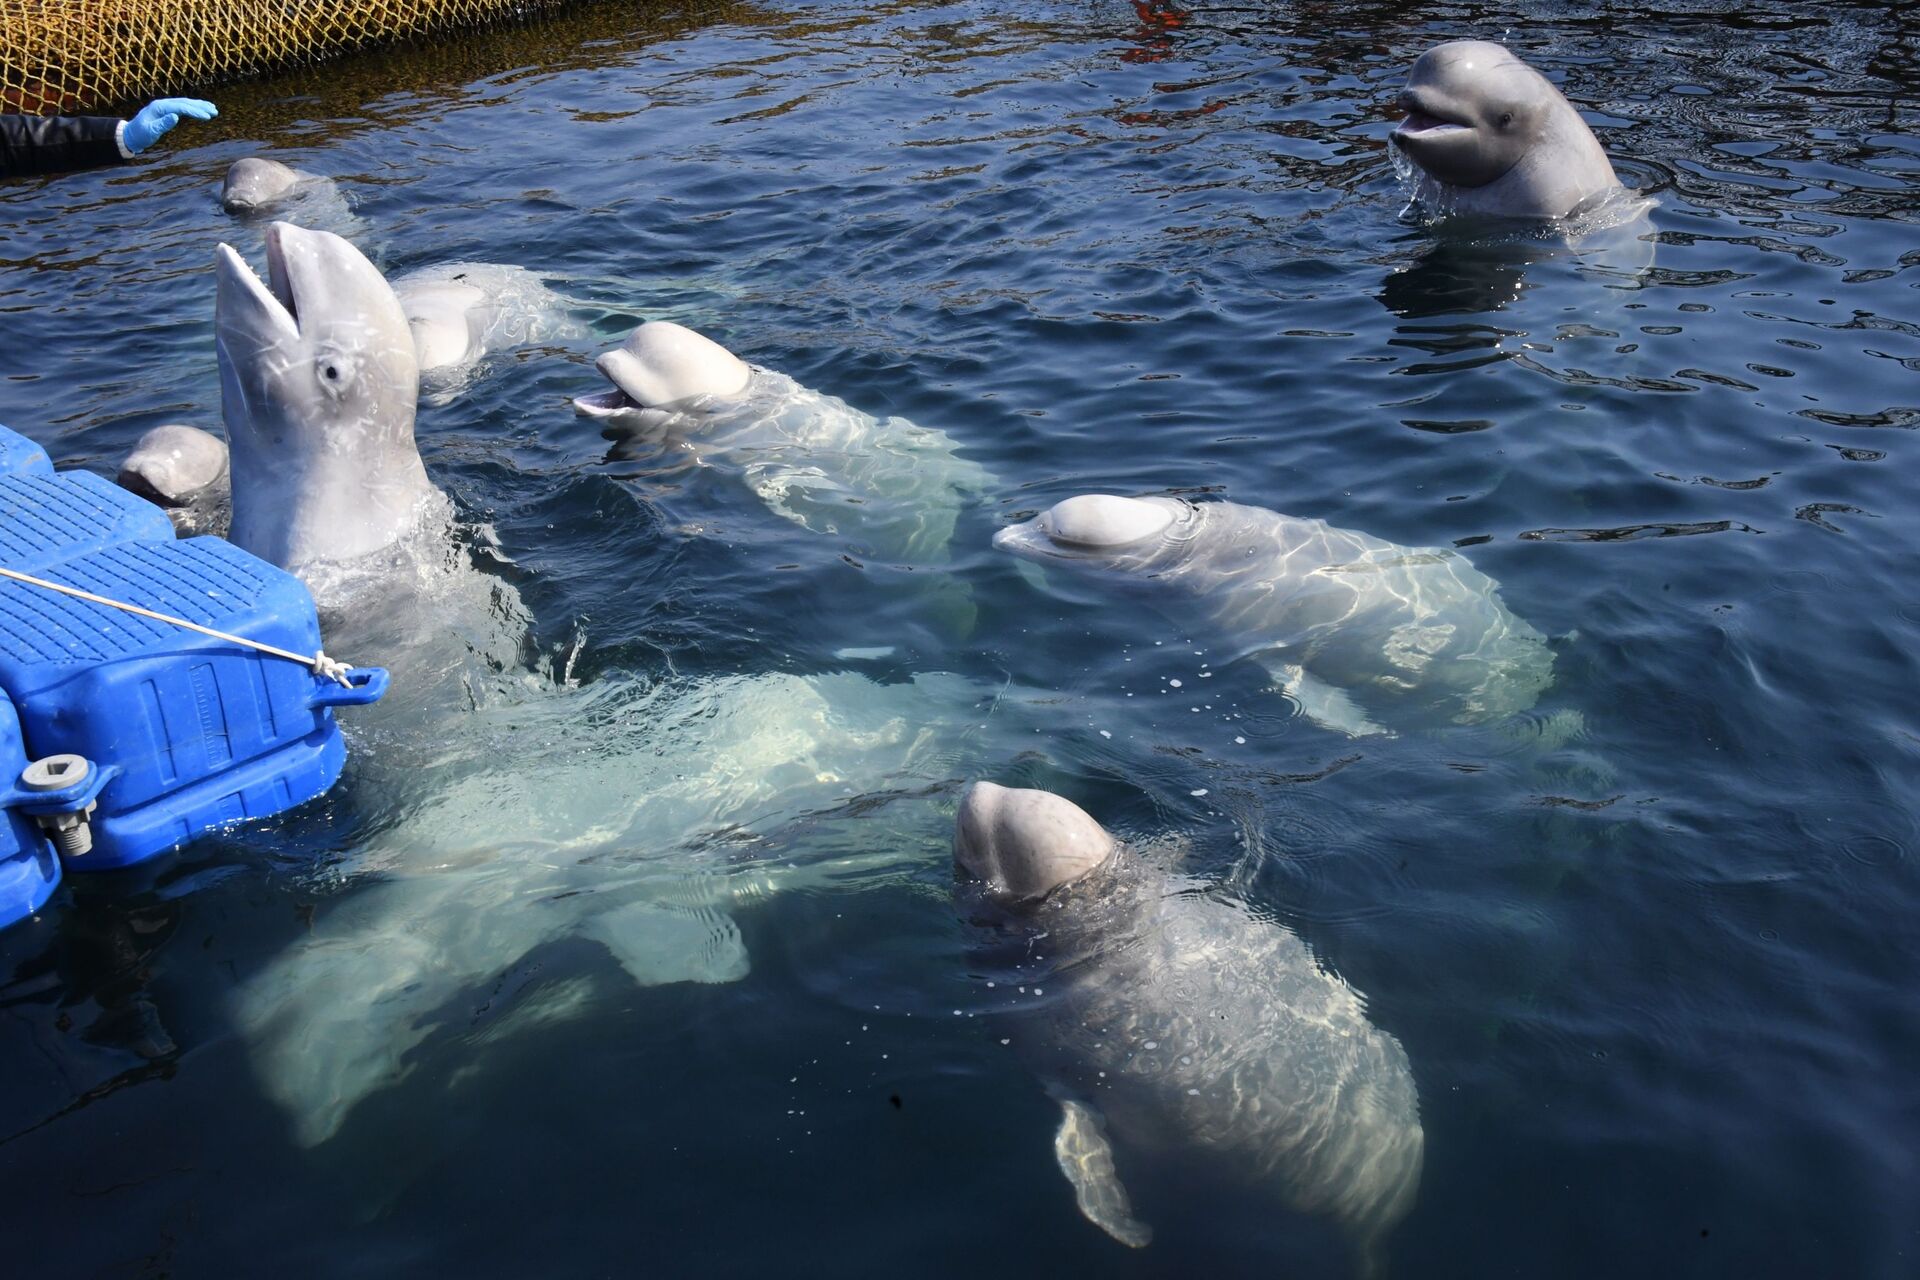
{"x": 161, "y": 115}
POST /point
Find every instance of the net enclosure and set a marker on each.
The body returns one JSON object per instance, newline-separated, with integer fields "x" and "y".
{"x": 66, "y": 56}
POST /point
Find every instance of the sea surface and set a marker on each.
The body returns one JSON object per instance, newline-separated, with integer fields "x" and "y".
{"x": 1650, "y": 947}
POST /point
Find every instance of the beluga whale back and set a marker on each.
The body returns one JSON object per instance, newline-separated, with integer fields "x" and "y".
{"x": 318, "y": 386}
{"x": 1178, "y": 1024}
{"x": 1353, "y": 627}
{"x": 1491, "y": 136}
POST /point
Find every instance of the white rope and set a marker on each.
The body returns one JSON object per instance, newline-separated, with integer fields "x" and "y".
{"x": 320, "y": 664}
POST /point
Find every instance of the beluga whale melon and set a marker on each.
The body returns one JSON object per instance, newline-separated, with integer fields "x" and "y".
{"x": 1178, "y": 1026}
{"x": 1367, "y": 636}
{"x": 891, "y": 488}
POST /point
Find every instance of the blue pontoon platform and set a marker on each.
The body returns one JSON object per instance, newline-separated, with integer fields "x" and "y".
{"x": 121, "y": 736}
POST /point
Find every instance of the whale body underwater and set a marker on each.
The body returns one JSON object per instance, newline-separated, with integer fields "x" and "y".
{"x": 1492, "y": 136}
{"x": 506, "y": 807}
{"x": 1179, "y": 1022}
{"x": 1367, "y": 636}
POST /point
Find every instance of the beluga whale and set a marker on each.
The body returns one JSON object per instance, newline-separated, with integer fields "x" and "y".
{"x": 182, "y": 470}
{"x": 892, "y": 489}
{"x": 460, "y": 311}
{"x": 1367, "y": 636}
{"x": 318, "y": 388}
{"x": 256, "y": 186}
{"x": 1178, "y": 1028}
{"x": 1489, "y": 136}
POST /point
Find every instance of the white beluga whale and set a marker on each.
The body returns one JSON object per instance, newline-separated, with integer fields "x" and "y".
{"x": 639, "y": 817}
{"x": 1493, "y": 137}
{"x": 892, "y": 489}
{"x": 1180, "y": 1026}
{"x": 318, "y": 386}
{"x": 258, "y": 187}
{"x": 182, "y": 470}
{"x": 460, "y": 311}
{"x": 1367, "y": 636}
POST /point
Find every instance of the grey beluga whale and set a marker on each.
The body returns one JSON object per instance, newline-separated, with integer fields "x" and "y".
{"x": 640, "y": 817}
{"x": 1178, "y": 1024}
{"x": 895, "y": 488}
{"x": 182, "y": 470}
{"x": 319, "y": 383}
{"x": 1492, "y": 136}
{"x": 1358, "y": 630}
{"x": 256, "y": 186}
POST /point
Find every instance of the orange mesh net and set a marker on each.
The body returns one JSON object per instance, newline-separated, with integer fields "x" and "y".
{"x": 77, "y": 55}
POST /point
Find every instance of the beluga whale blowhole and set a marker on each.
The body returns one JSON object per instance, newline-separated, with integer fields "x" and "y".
{"x": 1367, "y": 636}
{"x": 1489, "y": 136}
{"x": 1179, "y": 1026}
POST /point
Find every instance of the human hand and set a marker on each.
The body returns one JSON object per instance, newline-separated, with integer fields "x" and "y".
{"x": 161, "y": 115}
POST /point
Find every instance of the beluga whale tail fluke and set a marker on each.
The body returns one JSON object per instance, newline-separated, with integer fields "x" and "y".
{"x": 1491, "y": 137}
{"x": 1366, "y": 636}
{"x": 893, "y": 490}
{"x": 318, "y": 386}
{"x": 1181, "y": 1025}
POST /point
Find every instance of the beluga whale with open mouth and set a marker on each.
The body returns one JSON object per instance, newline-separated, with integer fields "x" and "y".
{"x": 1492, "y": 137}
{"x": 318, "y": 387}
{"x": 1367, "y": 636}
{"x": 894, "y": 490}
{"x": 1181, "y": 1027}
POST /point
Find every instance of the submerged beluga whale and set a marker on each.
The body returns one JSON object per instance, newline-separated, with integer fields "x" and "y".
{"x": 1178, "y": 1024}
{"x": 894, "y": 489}
{"x": 1367, "y": 636}
{"x": 1491, "y": 136}
{"x": 182, "y": 470}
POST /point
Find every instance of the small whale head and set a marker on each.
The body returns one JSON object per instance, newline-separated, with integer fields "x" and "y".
{"x": 1096, "y": 526}
{"x": 172, "y": 463}
{"x": 664, "y": 367}
{"x": 254, "y": 183}
{"x": 1472, "y": 111}
{"x": 1023, "y": 844}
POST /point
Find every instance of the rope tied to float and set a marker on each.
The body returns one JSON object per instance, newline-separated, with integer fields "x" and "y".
{"x": 320, "y": 664}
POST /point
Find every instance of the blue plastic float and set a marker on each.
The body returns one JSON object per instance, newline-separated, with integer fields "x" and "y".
{"x": 122, "y": 737}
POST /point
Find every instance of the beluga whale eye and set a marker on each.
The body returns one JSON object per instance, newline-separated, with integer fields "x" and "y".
{"x": 1506, "y": 118}
{"x": 1101, "y": 520}
{"x": 335, "y": 372}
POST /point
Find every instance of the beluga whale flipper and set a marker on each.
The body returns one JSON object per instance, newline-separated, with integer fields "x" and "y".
{"x": 318, "y": 387}
{"x": 1367, "y": 636}
{"x": 893, "y": 489}
{"x": 1179, "y": 1025}
{"x": 1492, "y": 137}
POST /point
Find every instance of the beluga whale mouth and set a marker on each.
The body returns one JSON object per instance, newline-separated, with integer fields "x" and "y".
{"x": 1425, "y": 118}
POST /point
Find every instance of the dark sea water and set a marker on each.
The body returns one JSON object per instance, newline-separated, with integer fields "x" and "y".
{"x": 1650, "y": 949}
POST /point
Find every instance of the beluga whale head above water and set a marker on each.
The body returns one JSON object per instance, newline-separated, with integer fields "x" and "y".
{"x": 1181, "y": 1031}
{"x": 318, "y": 386}
{"x": 1493, "y": 137}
